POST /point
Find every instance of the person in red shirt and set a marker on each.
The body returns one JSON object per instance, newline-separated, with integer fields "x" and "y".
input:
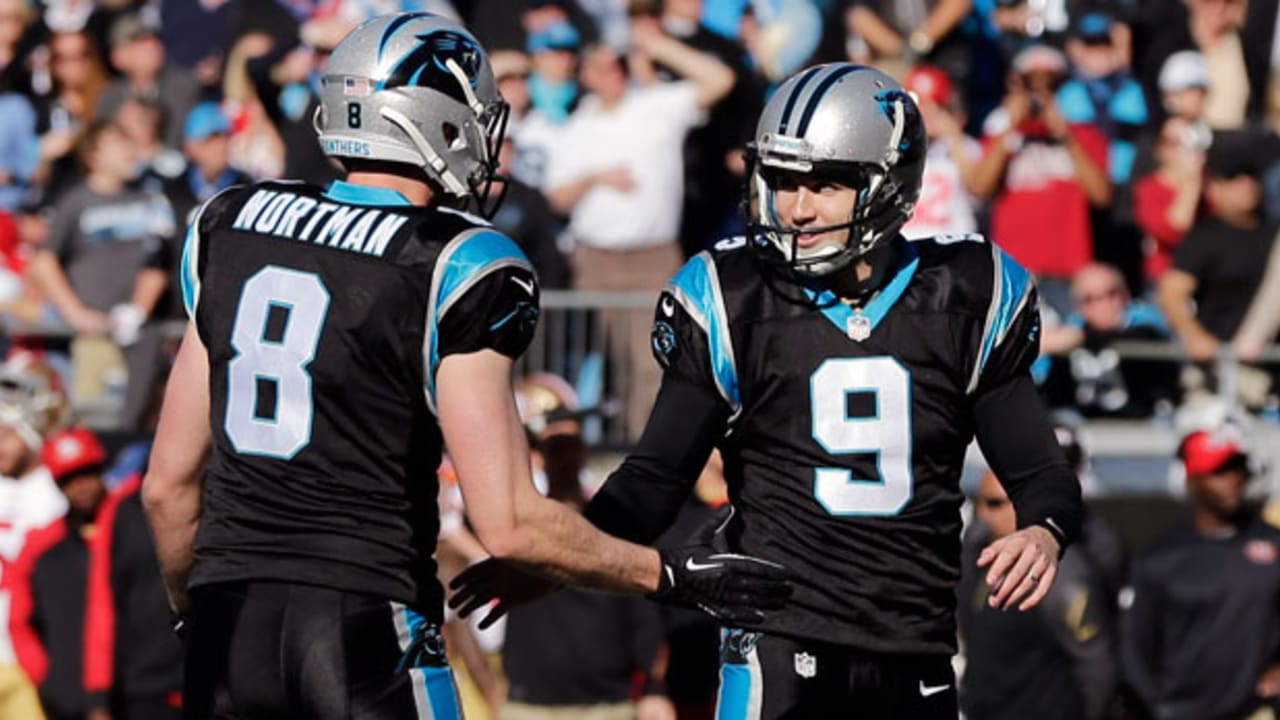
{"x": 1043, "y": 174}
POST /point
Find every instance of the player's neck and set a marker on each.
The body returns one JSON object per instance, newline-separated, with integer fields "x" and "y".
{"x": 416, "y": 192}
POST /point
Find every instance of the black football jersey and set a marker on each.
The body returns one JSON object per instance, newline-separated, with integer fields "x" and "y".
{"x": 848, "y": 428}
{"x": 325, "y": 314}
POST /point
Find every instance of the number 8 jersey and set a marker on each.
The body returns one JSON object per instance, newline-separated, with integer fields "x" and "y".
{"x": 848, "y": 428}
{"x": 325, "y": 314}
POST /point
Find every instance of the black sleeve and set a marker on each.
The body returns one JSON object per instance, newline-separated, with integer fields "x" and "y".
{"x": 1193, "y": 254}
{"x": 1140, "y": 635}
{"x": 1017, "y": 440}
{"x": 500, "y": 312}
{"x": 641, "y": 499}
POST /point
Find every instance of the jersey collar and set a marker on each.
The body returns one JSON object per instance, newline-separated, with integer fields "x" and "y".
{"x": 346, "y": 192}
{"x": 842, "y": 316}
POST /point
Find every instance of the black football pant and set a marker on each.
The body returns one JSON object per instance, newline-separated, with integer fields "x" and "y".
{"x": 262, "y": 651}
{"x": 766, "y": 677}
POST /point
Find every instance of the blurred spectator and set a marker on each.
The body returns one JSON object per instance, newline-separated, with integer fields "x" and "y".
{"x": 1201, "y": 633}
{"x": 895, "y": 34}
{"x": 196, "y": 35}
{"x": 1037, "y": 165}
{"x": 576, "y": 654}
{"x": 138, "y": 55}
{"x": 1065, "y": 663}
{"x": 1234, "y": 37}
{"x": 507, "y": 25}
{"x": 551, "y": 83}
{"x": 132, "y": 658}
{"x": 50, "y": 578}
{"x": 206, "y": 142}
{"x": 622, "y": 186}
{"x": 143, "y": 122}
{"x": 18, "y": 149}
{"x": 1102, "y": 92}
{"x": 103, "y": 223}
{"x": 1022, "y": 20}
{"x": 1167, "y": 200}
{"x": 1184, "y": 85}
{"x": 31, "y": 406}
{"x": 1220, "y": 263}
{"x": 526, "y": 217}
{"x": 712, "y": 169}
{"x": 79, "y": 78}
{"x": 287, "y": 82}
{"x": 256, "y": 147}
{"x": 945, "y": 206}
{"x": 16, "y": 17}
{"x": 1091, "y": 376}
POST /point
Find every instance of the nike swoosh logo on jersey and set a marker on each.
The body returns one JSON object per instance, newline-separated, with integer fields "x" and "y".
{"x": 668, "y": 307}
{"x": 928, "y": 690}
{"x": 1053, "y": 524}
{"x": 526, "y": 284}
{"x": 692, "y": 566}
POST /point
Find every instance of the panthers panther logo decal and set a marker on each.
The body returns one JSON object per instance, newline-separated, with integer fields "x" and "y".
{"x": 426, "y": 65}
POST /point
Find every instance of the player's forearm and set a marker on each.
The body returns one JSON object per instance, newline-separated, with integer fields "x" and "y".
{"x": 642, "y": 498}
{"x": 1017, "y": 440}
{"x": 174, "y": 515}
{"x": 556, "y": 542}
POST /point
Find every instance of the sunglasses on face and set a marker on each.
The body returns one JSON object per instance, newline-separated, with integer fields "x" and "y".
{"x": 993, "y": 503}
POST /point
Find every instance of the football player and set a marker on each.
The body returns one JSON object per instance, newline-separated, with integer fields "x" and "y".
{"x": 842, "y": 371}
{"x": 338, "y": 335}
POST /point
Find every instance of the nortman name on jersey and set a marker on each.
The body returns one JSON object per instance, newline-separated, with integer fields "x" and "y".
{"x": 365, "y": 230}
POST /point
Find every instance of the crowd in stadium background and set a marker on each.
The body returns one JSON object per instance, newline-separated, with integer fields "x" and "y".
{"x": 1126, "y": 152}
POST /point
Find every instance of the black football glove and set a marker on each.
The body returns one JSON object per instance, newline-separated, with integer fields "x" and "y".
{"x": 734, "y": 589}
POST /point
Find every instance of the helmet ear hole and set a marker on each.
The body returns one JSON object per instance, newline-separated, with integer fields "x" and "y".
{"x": 450, "y": 133}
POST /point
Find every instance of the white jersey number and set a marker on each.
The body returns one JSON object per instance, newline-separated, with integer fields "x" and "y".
{"x": 886, "y": 433}
{"x": 278, "y": 323}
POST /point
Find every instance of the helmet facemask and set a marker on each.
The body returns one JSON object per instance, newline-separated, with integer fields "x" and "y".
{"x": 875, "y": 218}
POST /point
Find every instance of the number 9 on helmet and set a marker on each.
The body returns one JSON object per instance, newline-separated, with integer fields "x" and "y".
{"x": 415, "y": 89}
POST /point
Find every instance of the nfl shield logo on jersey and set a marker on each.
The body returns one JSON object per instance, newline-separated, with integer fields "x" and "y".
{"x": 858, "y": 326}
{"x": 806, "y": 665}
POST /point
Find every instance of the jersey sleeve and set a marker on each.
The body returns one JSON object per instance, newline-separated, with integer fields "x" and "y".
{"x": 194, "y": 250}
{"x": 1010, "y": 340}
{"x": 484, "y": 295}
{"x": 690, "y": 336}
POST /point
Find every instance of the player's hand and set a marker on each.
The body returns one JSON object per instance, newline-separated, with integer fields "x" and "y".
{"x": 734, "y": 589}
{"x": 1022, "y": 567}
{"x": 497, "y": 584}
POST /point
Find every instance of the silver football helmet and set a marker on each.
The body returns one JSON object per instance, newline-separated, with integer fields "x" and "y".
{"x": 846, "y": 121}
{"x": 415, "y": 88}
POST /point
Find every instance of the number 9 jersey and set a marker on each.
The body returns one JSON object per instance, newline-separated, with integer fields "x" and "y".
{"x": 325, "y": 314}
{"x": 848, "y": 428}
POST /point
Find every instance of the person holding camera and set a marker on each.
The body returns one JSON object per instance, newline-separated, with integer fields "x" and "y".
{"x": 1037, "y": 165}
